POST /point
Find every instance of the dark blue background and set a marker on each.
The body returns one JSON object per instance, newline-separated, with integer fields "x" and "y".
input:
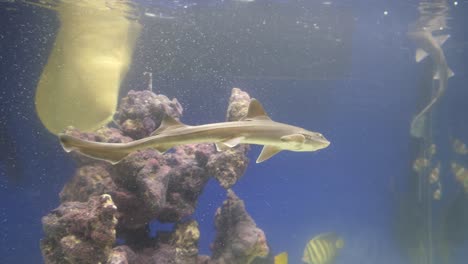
{"x": 350, "y": 187}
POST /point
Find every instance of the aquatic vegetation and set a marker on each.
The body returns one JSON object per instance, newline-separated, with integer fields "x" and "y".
{"x": 454, "y": 227}
{"x": 80, "y": 83}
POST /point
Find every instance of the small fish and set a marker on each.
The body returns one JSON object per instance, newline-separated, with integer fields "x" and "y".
{"x": 322, "y": 249}
{"x": 434, "y": 175}
{"x": 459, "y": 171}
{"x": 459, "y": 147}
{"x": 432, "y": 149}
{"x": 281, "y": 258}
{"x": 420, "y": 164}
{"x": 255, "y": 128}
{"x": 437, "y": 195}
{"x": 461, "y": 174}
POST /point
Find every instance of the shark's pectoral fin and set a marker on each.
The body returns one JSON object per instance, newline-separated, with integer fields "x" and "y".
{"x": 267, "y": 152}
{"x": 229, "y": 143}
{"x": 296, "y": 140}
{"x": 220, "y": 146}
{"x": 449, "y": 74}
{"x": 168, "y": 123}
{"x": 233, "y": 141}
{"x": 162, "y": 148}
{"x": 256, "y": 111}
{"x": 420, "y": 55}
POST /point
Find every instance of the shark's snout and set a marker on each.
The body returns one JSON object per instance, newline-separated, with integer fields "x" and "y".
{"x": 324, "y": 143}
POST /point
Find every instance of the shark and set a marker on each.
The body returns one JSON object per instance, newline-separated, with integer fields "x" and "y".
{"x": 429, "y": 45}
{"x": 255, "y": 128}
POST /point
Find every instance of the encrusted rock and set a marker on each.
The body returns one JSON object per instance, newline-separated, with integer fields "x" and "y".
{"x": 88, "y": 180}
{"x": 238, "y": 239}
{"x": 147, "y": 186}
{"x": 141, "y": 112}
{"x": 79, "y": 232}
{"x": 228, "y": 166}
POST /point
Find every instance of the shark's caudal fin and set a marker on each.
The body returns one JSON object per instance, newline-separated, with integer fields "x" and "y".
{"x": 95, "y": 150}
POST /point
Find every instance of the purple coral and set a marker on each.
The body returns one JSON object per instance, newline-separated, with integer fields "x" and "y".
{"x": 238, "y": 240}
{"x": 80, "y": 232}
{"x": 148, "y": 186}
{"x": 141, "y": 112}
{"x": 228, "y": 166}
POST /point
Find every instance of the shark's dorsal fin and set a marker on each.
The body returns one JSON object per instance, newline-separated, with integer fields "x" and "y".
{"x": 267, "y": 152}
{"x": 168, "y": 123}
{"x": 256, "y": 111}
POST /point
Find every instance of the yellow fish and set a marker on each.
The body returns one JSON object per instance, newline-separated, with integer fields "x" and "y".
{"x": 459, "y": 147}
{"x": 322, "y": 249}
{"x": 281, "y": 258}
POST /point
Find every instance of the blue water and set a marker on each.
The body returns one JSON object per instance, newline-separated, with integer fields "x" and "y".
{"x": 350, "y": 188}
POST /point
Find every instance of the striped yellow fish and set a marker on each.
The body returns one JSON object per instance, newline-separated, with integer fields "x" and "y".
{"x": 322, "y": 249}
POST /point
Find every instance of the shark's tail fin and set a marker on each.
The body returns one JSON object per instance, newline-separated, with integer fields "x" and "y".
{"x": 96, "y": 150}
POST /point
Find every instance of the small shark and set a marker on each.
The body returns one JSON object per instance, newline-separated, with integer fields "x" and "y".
{"x": 255, "y": 128}
{"x": 429, "y": 45}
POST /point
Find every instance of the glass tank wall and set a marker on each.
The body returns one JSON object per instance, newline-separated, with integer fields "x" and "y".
{"x": 233, "y": 131}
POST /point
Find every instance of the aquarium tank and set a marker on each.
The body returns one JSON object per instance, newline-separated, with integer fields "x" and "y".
{"x": 233, "y": 132}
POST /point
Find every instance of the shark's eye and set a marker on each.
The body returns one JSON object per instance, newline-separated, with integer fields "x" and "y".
{"x": 320, "y": 136}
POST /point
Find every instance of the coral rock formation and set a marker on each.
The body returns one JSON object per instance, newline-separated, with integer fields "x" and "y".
{"x": 150, "y": 186}
{"x": 140, "y": 113}
{"x": 238, "y": 239}
{"x": 235, "y": 160}
{"x": 80, "y": 232}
